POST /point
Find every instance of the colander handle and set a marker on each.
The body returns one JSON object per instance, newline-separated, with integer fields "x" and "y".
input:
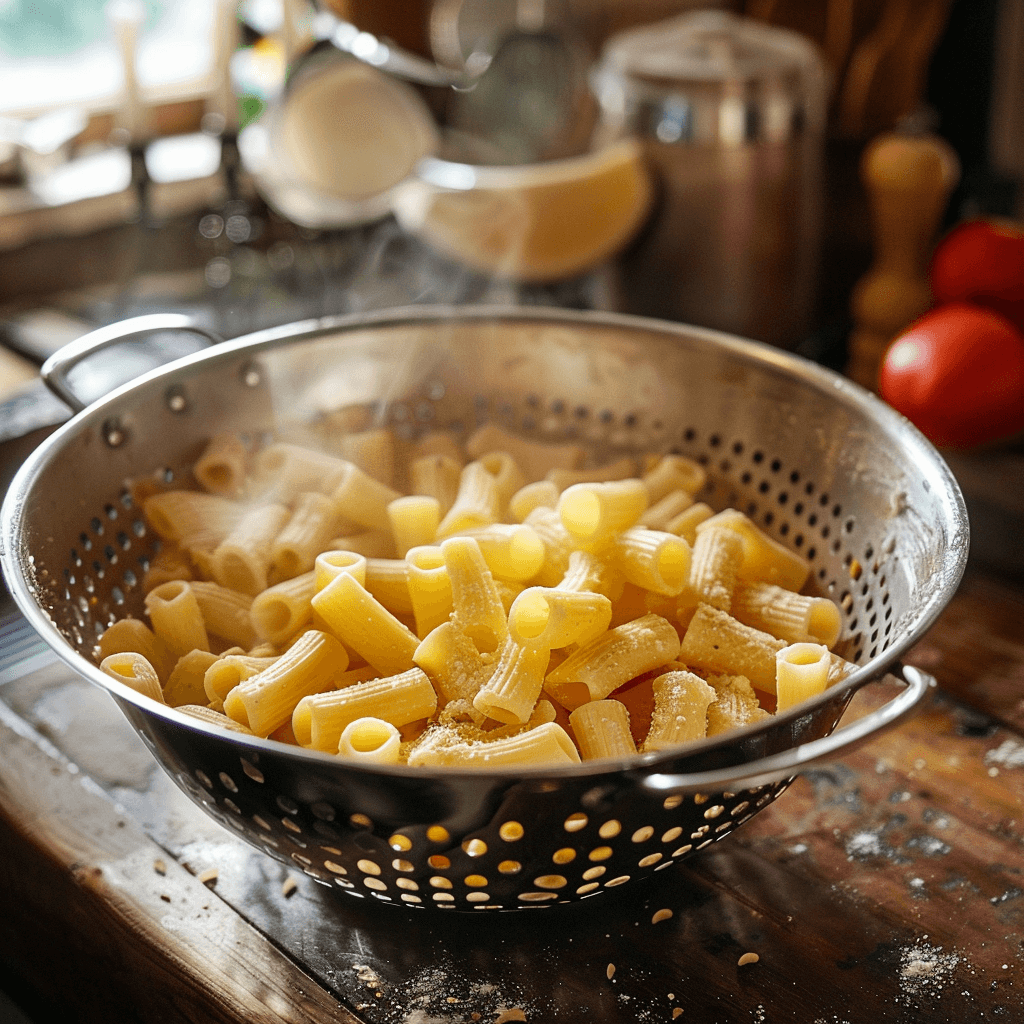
{"x": 56, "y": 369}
{"x": 799, "y": 758}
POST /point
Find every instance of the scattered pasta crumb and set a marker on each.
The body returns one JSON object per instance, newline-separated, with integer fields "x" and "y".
{"x": 610, "y": 972}
{"x": 661, "y": 915}
{"x": 160, "y": 867}
{"x": 288, "y": 886}
{"x": 677, "y": 1012}
{"x": 209, "y": 876}
{"x": 506, "y": 1016}
{"x": 748, "y": 958}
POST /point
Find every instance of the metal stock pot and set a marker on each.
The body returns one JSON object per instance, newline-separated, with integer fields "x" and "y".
{"x": 812, "y": 458}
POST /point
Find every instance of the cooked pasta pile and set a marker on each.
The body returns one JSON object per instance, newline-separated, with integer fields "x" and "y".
{"x": 504, "y": 607}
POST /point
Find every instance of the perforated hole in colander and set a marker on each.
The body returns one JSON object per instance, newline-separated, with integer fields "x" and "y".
{"x": 554, "y": 856}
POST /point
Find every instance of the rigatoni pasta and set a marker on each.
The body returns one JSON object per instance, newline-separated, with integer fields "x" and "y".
{"x": 492, "y": 614}
{"x": 265, "y": 701}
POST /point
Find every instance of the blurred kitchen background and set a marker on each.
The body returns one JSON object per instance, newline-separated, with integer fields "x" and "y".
{"x": 229, "y": 159}
{"x": 255, "y": 162}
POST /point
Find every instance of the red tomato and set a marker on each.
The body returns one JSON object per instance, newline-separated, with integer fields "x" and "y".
{"x": 982, "y": 261}
{"x": 958, "y": 374}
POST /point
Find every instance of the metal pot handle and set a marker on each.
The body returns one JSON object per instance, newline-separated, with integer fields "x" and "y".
{"x": 55, "y": 370}
{"x": 791, "y": 762}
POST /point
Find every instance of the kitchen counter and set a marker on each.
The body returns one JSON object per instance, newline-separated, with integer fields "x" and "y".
{"x": 888, "y": 886}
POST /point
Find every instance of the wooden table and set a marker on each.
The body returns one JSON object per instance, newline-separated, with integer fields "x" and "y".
{"x": 885, "y": 887}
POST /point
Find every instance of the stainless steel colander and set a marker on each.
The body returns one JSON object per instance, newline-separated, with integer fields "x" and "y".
{"x": 815, "y": 460}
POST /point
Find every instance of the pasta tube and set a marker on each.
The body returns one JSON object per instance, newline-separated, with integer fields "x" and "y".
{"x": 387, "y": 579}
{"x": 362, "y": 623}
{"x": 414, "y": 520}
{"x": 735, "y": 704}
{"x": 685, "y": 524}
{"x": 595, "y": 512}
{"x": 135, "y": 672}
{"x": 601, "y": 728}
{"x": 535, "y": 458}
{"x": 319, "y": 719}
{"x": 801, "y": 671}
{"x": 477, "y": 503}
{"x": 478, "y": 609}
{"x": 764, "y": 559}
{"x": 717, "y": 556}
{"x": 653, "y": 559}
{"x": 553, "y": 618}
{"x": 264, "y": 702}
{"x": 508, "y": 477}
{"x": 211, "y": 717}
{"x": 225, "y": 673}
{"x": 558, "y": 544}
{"x": 185, "y": 683}
{"x": 329, "y": 564}
{"x": 283, "y": 471}
{"x": 451, "y": 659}
{"x": 586, "y": 571}
{"x": 222, "y": 467}
{"x": 546, "y": 745}
{"x": 543, "y": 712}
{"x": 597, "y": 668}
{"x": 681, "y": 701}
{"x": 717, "y": 642}
{"x": 313, "y": 522}
{"x": 226, "y": 613}
{"x": 134, "y": 635}
{"x": 242, "y": 560}
{"x": 361, "y": 499}
{"x": 512, "y": 551}
{"x": 436, "y": 476}
{"x": 796, "y": 618}
{"x": 430, "y": 589}
{"x": 540, "y": 493}
{"x": 192, "y": 518}
{"x": 373, "y": 451}
{"x": 511, "y": 693}
{"x": 176, "y": 617}
{"x": 280, "y": 611}
{"x": 168, "y": 564}
{"x": 621, "y": 469}
{"x": 371, "y": 740}
{"x": 666, "y": 510}
{"x": 674, "y": 472}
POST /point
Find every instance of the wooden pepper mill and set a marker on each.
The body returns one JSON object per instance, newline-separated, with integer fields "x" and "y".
{"x": 908, "y": 179}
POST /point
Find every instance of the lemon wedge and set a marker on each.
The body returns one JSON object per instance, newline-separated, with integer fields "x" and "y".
{"x": 533, "y": 222}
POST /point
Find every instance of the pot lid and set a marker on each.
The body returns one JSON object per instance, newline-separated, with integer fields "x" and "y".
{"x": 712, "y": 46}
